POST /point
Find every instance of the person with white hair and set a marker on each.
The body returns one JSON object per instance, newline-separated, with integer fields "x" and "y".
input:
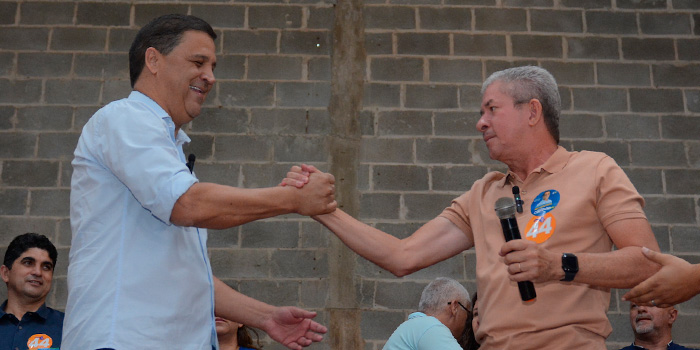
{"x": 442, "y": 315}
{"x": 573, "y": 208}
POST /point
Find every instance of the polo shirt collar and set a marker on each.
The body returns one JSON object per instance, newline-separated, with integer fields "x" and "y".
{"x": 42, "y": 312}
{"x": 670, "y": 345}
{"x": 556, "y": 162}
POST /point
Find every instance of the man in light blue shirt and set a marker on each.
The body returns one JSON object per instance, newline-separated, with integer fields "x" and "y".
{"x": 139, "y": 276}
{"x": 441, "y": 320}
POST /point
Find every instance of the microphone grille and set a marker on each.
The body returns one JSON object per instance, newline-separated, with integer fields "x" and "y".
{"x": 505, "y": 207}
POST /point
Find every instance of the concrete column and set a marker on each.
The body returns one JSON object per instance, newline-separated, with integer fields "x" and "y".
{"x": 347, "y": 71}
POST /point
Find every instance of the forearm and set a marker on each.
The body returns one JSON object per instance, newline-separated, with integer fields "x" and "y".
{"x": 240, "y": 308}
{"x": 437, "y": 240}
{"x": 622, "y": 268}
{"x": 209, "y": 205}
{"x": 368, "y": 242}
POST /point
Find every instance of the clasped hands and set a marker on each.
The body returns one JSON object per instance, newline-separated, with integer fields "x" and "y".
{"x": 318, "y": 187}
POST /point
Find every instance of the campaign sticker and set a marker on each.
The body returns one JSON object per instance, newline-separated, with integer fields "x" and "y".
{"x": 540, "y": 228}
{"x": 39, "y": 341}
{"x": 544, "y": 202}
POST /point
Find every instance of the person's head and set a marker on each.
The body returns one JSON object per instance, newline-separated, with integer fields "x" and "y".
{"x": 519, "y": 105}
{"x": 234, "y": 333}
{"x": 448, "y": 301}
{"x": 468, "y": 340}
{"x": 475, "y": 315}
{"x": 545, "y": 196}
{"x": 651, "y": 323}
{"x": 28, "y": 266}
{"x": 526, "y": 83}
{"x": 172, "y": 60}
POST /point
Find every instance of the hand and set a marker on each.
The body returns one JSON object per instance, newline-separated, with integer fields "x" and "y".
{"x": 676, "y": 282}
{"x": 293, "y": 327}
{"x": 298, "y": 176}
{"x": 318, "y": 195}
{"x": 528, "y": 261}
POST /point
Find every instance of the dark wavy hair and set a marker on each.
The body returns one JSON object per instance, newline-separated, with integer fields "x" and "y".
{"x": 244, "y": 338}
{"x": 468, "y": 340}
{"x": 24, "y": 242}
{"x": 164, "y": 34}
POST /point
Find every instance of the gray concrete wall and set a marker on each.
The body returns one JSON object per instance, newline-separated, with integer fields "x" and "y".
{"x": 395, "y": 117}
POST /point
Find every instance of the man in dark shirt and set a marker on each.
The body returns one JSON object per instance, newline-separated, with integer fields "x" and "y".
{"x": 25, "y": 320}
{"x": 652, "y": 328}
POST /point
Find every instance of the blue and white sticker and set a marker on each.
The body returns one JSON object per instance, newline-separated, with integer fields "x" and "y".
{"x": 545, "y": 202}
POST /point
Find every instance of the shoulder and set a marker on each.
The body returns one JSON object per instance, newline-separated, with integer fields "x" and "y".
{"x": 490, "y": 179}
{"x": 591, "y": 157}
{"x": 674, "y": 346}
{"x": 126, "y": 110}
{"x": 55, "y": 315}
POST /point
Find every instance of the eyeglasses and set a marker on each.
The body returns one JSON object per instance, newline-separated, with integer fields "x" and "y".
{"x": 460, "y": 304}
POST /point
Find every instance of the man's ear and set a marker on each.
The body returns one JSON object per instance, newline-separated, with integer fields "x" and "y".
{"x": 5, "y": 273}
{"x": 453, "y": 307}
{"x": 152, "y": 60}
{"x": 535, "y": 108}
{"x": 672, "y": 315}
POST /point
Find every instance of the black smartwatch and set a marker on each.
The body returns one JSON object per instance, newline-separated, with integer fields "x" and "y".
{"x": 569, "y": 263}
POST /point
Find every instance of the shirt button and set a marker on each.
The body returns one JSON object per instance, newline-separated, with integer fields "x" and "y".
{"x": 20, "y": 327}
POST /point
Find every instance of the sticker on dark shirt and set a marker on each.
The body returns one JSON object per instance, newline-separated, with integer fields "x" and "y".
{"x": 39, "y": 341}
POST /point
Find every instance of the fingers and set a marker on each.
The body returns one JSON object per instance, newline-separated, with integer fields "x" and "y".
{"x": 313, "y": 337}
{"x": 513, "y": 246}
{"x": 516, "y": 268}
{"x": 641, "y": 293}
{"x": 314, "y": 328}
{"x": 309, "y": 168}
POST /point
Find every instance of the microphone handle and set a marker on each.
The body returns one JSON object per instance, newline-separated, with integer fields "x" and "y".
{"x": 511, "y": 231}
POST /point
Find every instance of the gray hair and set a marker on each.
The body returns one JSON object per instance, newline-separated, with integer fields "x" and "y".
{"x": 439, "y": 292}
{"x": 528, "y": 82}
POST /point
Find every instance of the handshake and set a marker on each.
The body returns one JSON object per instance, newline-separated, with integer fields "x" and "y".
{"x": 316, "y": 190}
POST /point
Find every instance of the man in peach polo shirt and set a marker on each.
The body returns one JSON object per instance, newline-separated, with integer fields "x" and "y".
{"x": 577, "y": 205}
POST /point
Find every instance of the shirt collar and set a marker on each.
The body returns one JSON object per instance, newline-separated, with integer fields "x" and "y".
{"x": 668, "y": 346}
{"x": 554, "y": 164}
{"x": 42, "y": 312}
{"x": 181, "y": 136}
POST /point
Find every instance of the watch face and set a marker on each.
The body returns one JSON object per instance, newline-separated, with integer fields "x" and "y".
{"x": 569, "y": 262}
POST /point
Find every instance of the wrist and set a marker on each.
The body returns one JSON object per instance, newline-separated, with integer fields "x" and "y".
{"x": 569, "y": 266}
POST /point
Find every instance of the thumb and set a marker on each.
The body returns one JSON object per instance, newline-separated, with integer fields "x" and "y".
{"x": 654, "y": 256}
{"x": 309, "y": 168}
{"x": 301, "y": 313}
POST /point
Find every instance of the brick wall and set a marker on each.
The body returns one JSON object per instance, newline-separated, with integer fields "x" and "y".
{"x": 628, "y": 72}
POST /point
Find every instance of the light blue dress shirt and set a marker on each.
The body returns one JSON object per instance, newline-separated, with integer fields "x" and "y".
{"x": 135, "y": 280}
{"x": 422, "y": 332}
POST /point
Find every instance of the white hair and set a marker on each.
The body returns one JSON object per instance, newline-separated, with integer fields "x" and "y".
{"x": 528, "y": 82}
{"x": 439, "y": 292}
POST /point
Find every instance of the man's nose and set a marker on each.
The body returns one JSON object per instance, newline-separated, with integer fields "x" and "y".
{"x": 209, "y": 77}
{"x": 482, "y": 124}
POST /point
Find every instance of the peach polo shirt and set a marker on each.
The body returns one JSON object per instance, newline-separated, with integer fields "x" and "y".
{"x": 569, "y": 201}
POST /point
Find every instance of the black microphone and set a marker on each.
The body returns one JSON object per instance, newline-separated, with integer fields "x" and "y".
{"x": 518, "y": 201}
{"x": 505, "y": 209}
{"x": 190, "y": 162}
